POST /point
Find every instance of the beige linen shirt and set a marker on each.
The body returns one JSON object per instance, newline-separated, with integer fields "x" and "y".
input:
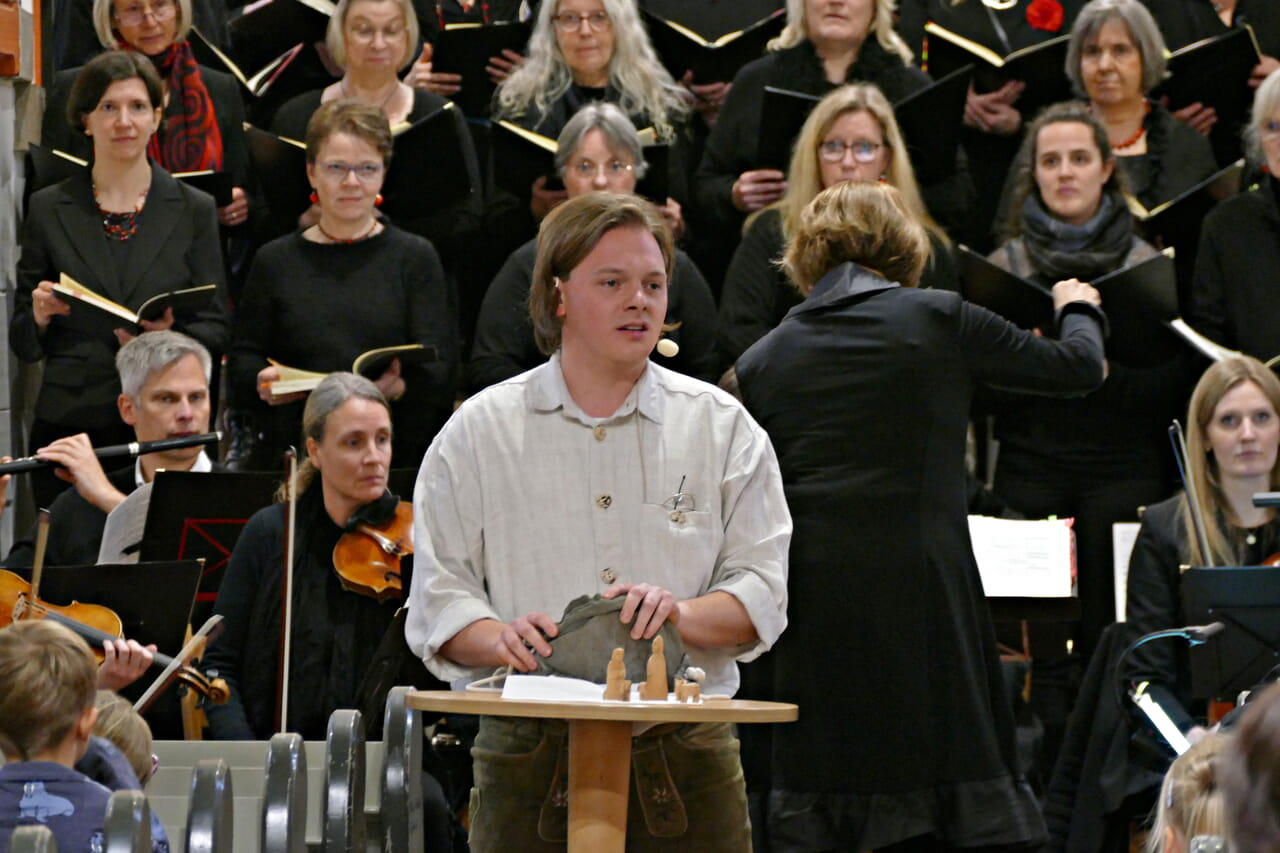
{"x": 524, "y": 502}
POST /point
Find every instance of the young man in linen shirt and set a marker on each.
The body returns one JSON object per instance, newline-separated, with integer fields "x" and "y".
{"x": 600, "y": 472}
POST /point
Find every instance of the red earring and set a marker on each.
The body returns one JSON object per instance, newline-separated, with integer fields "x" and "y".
{"x": 377, "y": 200}
{"x": 315, "y": 199}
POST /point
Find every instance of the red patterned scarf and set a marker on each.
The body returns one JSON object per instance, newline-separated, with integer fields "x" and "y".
{"x": 189, "y": 139}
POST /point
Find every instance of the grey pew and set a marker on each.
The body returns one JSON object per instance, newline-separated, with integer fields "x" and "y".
{"x": 401, "y": 813}
{"x": 284, "y": 803}
{"x": 210, "y": 815}
{"x": 127, "y": 828}
{"x": 344, "y": 783}
{"x": 32, "y": 839}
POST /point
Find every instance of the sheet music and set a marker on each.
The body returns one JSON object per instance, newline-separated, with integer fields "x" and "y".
{"x": 1123, "y": 535}
{"x": 1024, "y": 559}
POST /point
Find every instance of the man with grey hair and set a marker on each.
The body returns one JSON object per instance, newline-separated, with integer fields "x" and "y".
{"x": 165, "y": 380}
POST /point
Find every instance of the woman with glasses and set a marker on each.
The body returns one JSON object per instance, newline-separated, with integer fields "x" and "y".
{"x": 851, "y": 135}
{"x": 318, "y": 298}
{"x": 372, "y": 40}
{"x": 127, "y": 230}
{"x": 599, "y": 151}
{"x": 583, "y": 51}
{"x": 203, "y": 124}
{"x": 1233, "y": 290}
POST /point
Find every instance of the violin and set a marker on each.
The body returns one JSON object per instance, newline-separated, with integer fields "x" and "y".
{"x": 367, "y": 559}
{"x": 91, "y": 622}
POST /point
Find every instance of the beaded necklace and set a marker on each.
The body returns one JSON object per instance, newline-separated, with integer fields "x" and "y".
{"x": 120, "y": 226}
{"x": 1142, "y": 128}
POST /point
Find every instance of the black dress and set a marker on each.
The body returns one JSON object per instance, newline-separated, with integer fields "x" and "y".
{"x": 318, "y": 306}
{"x": 1234, "y": 290}
{"x": 905, "y": 728}
{"x": 505, "y": 344}
{"x": 757, "y": 295}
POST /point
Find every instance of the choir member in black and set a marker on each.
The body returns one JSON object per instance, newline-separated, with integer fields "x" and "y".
{"x": 992, "y": 119}
{"x": 1233, "y": 297}
{"x": 72, "y": 35}
{"x": 865, "y": 390}
{"x": 372, "y": 40}
{"x": 1115, "y": 57}
{"x": 599, "y": 150}
{"x": 203, "y": 124}
{"x": 583, "y": 51}
{"x": 1233, "y": 435}
{"x": 124, "y": 228}
{"x": 1100, "y": 457}
{"x": 825, "y": 44}
{"x": 851, "y": 135}
{"x": 320, "y": 297}
{"x": 335, "y": 631}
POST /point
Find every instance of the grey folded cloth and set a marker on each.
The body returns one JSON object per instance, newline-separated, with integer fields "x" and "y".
{"x": 589, "y": 632}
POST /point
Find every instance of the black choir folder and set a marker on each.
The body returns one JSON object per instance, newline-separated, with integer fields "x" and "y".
{"x": 929, "y": 120}
{"x": 1040, "y": 66}
{"x": 97, "y": 316}
{"x": 1215, "y": 72}
{"x": 520, "y": 157}
{"x": 269, "y": 28}
{"x": 711, "y": 59}
{"x": 466, "y": 48}
{"x": 51, "y": 165}
{"x": 370, "y": 364}
{"x": 1176, "y": 222}
{"x": 1140, "y": 302}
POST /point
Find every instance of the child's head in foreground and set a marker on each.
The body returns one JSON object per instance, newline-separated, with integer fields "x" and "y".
{"x": 48, "y": 681}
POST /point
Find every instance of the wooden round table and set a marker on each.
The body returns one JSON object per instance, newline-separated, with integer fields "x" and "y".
{"x": 600, "y": 747}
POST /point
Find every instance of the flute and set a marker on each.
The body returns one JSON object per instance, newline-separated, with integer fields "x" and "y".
{"x": 133, "y": 448}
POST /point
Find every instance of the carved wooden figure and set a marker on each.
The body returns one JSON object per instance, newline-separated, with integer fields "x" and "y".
{"x": 616, "y": 685}
{"x": 688, "y": 691}
{"x": 655, "y": 684}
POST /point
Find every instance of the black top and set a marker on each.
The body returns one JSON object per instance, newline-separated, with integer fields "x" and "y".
{"x": 335, "y": 632}
{"x": 1117, "y": 429}
{"x": 75, "y": 528}
{"x": 505, "y": 345}
{"x": 1182, "y": 22}
{"x": 317, "y": 306}
{"x": 488, "y": 11}
{"x": 176, "y": 247}
{"x": 757, "y": 294}
{"x": 883, "y": 585}
{"x": 1233, "y": 297}
{"x": 731, "y": 147}
{"x": 1177, "y": 159}
{"x": 452, "y": 229}
{"x": 1154, "y": 598}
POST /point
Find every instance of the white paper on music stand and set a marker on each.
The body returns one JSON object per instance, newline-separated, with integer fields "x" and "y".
{"x": 1024, "y": 559}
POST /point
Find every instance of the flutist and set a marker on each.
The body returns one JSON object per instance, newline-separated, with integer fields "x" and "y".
{"x": 165, "y": 380}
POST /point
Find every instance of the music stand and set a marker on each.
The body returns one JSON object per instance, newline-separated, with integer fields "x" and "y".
{"x": 1246, "y": 600}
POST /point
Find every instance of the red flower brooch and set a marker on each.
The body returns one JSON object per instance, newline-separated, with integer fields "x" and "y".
{"x": 1045, "y": 15}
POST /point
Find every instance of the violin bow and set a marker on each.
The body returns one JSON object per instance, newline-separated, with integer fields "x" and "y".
{"x": 210, "y": 629}
{"x": 1179, "y": 441}
{"x": 286, "y": 587}
{"x": 37, "y": 563}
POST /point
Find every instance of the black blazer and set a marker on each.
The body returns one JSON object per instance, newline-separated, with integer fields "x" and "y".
{"x": 75, "y": 528}
{"x": 228, "y": 109}
{"x": 176, "y": 246}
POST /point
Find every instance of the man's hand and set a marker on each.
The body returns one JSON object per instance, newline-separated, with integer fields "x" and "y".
{"x": 123, "y": 663}
{"x": 391, "y": 383}
{"x": 1074, "y": 290}
{"x": 647, "y": 607}
{"x": 519, "y": 639}
{"x": 266, "y": 376}
{"x": 81, "y": 468}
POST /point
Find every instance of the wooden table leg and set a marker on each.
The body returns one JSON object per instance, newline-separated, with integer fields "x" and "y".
{"x": 599, "y": 779}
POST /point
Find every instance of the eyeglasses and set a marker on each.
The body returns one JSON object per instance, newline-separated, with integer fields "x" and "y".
{"x": 1270, "y": 128}
{"x": 569, "y": 22}
{"x": 612, "y": 169}
{"x": 132, "y": 16}
{"x": 336, "y": 171}
{"x": 366, "y": 35}
{"x": 864, "y": 151}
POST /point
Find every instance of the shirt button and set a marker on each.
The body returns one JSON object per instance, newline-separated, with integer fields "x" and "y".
{"x": 604, "y": 501}
{"x": 608, "y": 576}
{"x": 599, "y": 432}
